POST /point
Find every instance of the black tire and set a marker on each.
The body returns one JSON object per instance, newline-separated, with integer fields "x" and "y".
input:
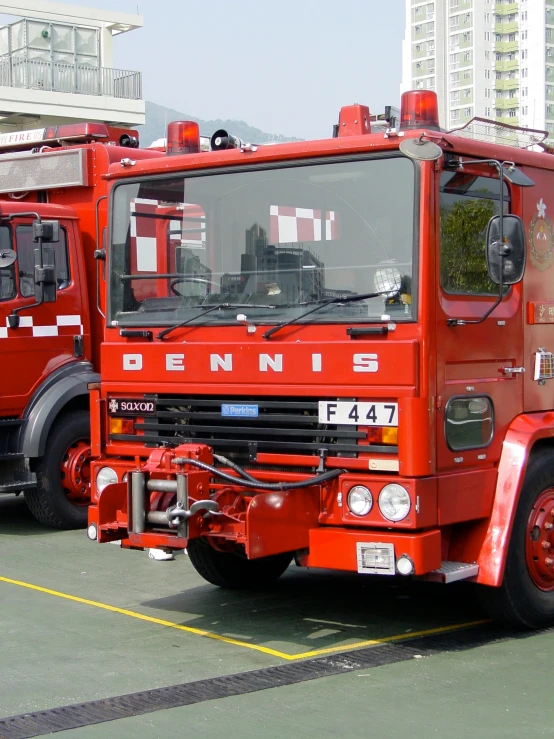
{"x": 49, "y": 502}
{"x": 519, "y": 601}
{"x": 235, "y": 572}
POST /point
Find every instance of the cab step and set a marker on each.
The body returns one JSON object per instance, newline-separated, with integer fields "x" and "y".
{"x": 14, "y": 486}
{"x": 452, "y": 571}
{"x": 15, "y": 475}
{"x": 11, "y": 456}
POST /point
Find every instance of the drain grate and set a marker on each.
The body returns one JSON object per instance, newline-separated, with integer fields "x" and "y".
{"x": 78, "y": 715}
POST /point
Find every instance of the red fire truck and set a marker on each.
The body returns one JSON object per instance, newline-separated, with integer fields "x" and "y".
{"x": 337, "y": 352}
{"x": 52, "y": 221}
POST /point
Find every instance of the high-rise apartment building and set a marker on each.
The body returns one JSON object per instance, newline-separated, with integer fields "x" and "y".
{"x": 488, "y": 58}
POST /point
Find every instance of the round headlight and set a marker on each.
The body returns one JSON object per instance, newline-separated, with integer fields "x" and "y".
{"x": 394, "y": 502}
{"x": 387, "y": 280}
{"x": 106, "y": 476}
{"x": 360, "y": 500}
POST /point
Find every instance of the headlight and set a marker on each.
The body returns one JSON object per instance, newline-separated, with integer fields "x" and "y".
{"x": 106, "y": 476}
{"x": 387, "y": 280}
{"x": 360, "y": 500}
{"x": 394, "y": 502}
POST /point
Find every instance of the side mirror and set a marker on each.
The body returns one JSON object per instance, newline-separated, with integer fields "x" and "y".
{"x": 45, "y": 275}
{"x": 48, "y": 231}
{"x": 506, "y": 259}
{"x": 7, "y": 258}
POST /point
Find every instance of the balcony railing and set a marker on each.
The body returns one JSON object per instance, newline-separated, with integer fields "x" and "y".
{"x": 34, "y": 74}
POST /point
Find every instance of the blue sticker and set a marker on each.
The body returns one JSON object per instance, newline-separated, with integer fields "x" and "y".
{"x": 239, "y": 410}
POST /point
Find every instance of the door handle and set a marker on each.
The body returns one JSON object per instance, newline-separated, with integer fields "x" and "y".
{"x": 513, "y": 370}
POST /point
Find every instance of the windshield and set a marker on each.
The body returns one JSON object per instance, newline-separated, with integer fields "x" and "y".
{"x": 273, "y": 241}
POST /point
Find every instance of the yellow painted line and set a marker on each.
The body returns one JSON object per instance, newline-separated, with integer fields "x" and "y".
{"x": 237, "y": 642}
{"x": 386, "y": 639}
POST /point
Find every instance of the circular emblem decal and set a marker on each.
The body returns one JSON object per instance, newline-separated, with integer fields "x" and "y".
{"x": 541, "y": 241}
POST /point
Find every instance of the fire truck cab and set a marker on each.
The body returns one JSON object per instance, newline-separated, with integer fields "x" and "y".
{"x": 52, "y": 223}
{"x": 338, "y": 352}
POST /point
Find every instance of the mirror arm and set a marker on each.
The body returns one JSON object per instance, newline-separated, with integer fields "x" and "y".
{"x": 462, "y": 322}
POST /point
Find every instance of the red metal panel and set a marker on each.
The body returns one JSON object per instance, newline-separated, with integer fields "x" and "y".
{"x": 281, "y": 521}
{"x": 415, "y": 417}
{"x": 109, "y": 511}
{"x": 334, "y": 548}
{"x": 466, "y": 495}
{"x": 354, "y": 120}
{"x": 261, "y": 362}
{"x": 95, "y": 422}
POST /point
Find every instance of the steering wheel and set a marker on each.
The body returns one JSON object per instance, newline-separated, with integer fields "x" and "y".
{"x": 175, "y": 282}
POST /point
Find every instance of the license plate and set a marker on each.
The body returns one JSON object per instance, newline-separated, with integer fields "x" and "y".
{"x": 353, "y": 413}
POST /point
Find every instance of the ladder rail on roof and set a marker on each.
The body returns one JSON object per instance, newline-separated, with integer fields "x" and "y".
{"x": 493, "y": 132}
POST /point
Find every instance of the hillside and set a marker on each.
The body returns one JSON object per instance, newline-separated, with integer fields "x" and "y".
{"x": 158, "y": 116}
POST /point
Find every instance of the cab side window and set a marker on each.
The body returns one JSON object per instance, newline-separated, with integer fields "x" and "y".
{"x": 7, "y": 274}
{"x": 467, "y": 203}
{"x": 26, "y": 260}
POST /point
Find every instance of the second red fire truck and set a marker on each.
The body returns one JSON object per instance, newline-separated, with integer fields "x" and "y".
{"x": 52, "y": 222}
{"x": 338, "y": 352}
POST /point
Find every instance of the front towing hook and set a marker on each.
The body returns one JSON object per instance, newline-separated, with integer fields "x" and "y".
{"x": 177, "y": 513}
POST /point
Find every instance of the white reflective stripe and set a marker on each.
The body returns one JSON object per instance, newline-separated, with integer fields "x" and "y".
{"x": 24, "y": 322}
{"x": 317, "y": 231}
{"x": 175, "y": 228}
{"x": 288, "y": 229}
{"x": 27, "y": 322}
{"x": 68, "y": 320}
{"x": 146, "y": 254}
{"x": 45, "y": 330}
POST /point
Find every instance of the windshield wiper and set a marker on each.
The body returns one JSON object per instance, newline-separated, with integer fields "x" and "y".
{"x": 219, "y": 306}
{"x": 321, "y": 304}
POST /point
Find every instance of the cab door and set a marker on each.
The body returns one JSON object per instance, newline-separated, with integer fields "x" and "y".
{"x": 479, "y": 365}
{"x": 45, "y": 338}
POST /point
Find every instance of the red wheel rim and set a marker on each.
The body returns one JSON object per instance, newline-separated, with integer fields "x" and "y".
{"x": 75, "y": 473}
{"x": 539, "y": 549}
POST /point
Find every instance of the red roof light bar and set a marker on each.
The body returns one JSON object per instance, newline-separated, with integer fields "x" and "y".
{"x": 183, "y": 137}
{"x": 419, "y": 109}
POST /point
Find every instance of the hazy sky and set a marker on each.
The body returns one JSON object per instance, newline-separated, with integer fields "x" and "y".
{"x": 285, "y": 67}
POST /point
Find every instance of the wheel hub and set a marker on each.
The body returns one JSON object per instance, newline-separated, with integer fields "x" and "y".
{"x": 75, "y": 472}
{"x": 539, "y": 549}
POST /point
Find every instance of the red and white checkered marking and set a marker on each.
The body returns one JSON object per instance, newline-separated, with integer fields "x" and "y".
{"x": 143, "y": 236}
{"x": 191, "y": 230}
{"x": 65, "y": 326}
{"x": 143, "y": 232}
{"x": 147, "y": 255}
{"x": 295, "y": 225}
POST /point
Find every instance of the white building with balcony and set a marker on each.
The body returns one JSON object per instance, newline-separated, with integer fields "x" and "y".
{"x": 487, "y": 58}
{"x": 56, "y": 66}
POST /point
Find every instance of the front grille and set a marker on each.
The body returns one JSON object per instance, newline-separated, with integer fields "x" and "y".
{"x": 282, "y": 426}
